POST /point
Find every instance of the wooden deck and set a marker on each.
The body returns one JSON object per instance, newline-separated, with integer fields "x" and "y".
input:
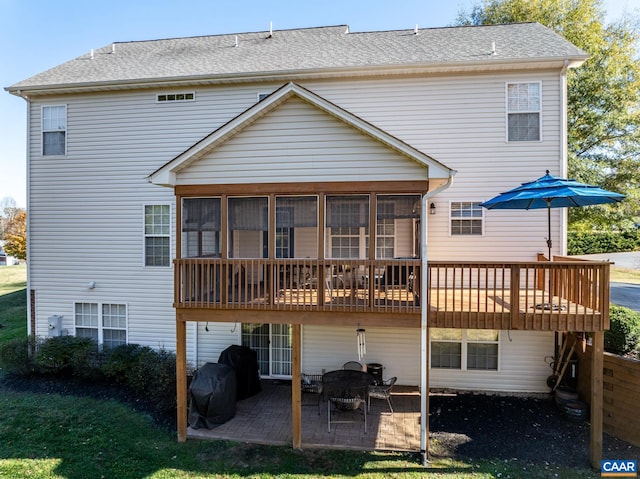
{"x": 546, "y": 296}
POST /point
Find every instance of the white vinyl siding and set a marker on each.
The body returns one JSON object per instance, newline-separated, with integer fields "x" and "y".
{"x": 522, "y": 353}
{"x": 299, "y": 143}
{"x": 90, "y": 200}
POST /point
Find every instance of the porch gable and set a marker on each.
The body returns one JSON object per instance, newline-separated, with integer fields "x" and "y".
{"x": 293, "y": 136}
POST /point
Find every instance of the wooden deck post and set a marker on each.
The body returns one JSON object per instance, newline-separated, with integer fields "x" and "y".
{"x": 181, "y": 378}
{"x": 296, "y": 393}
{"x": 514, "y": 300}
{"x": 597, "y": 364}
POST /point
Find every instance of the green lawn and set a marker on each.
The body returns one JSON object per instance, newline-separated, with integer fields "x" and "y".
{"x": 13, "y": 302}
{"x": 53, "y": 436}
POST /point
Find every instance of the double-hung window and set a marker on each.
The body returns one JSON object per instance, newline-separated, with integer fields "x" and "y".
{"x": 465, "y": 349}
{"x": 54, "y": 130}
{"x": 104, "y": 323}
{"x": 523, "y": 111}
{"x": 157, "y": 235}
{"x": 466, "y": 218}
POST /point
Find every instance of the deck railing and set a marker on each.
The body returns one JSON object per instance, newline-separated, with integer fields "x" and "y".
{"x": 328, "y": 285}
{"x": 561, "y": 295}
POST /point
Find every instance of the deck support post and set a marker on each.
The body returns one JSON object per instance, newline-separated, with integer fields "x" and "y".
{"x": 597, "y": 364}
{"x": 296, "y": 393}
{"x": 181, "y": 379}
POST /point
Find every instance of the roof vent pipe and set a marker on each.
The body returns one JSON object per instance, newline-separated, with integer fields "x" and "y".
{"x": 270, "y": 30}
{"x": 415, "y": 30}
{"x": 113, "y": 48}
{"x": 92, "y": 53}
{"x": 236, "y": 45}
{"x": 493, "y": 49}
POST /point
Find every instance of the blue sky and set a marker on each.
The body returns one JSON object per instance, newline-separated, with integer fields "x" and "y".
{"x": 38, "y": 34}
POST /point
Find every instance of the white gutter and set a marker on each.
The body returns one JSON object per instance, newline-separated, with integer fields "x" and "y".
{"x": 424, "y": 307}
{"x": 28, "y": 246}
{"x": 564, "y": 161}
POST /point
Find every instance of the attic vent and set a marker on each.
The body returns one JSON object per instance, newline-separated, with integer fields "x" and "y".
{"x": 166, "y": 97}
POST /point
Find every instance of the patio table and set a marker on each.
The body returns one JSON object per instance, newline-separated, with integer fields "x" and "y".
{"x": 345, "y": 383}
{"x": 347, "y": 390}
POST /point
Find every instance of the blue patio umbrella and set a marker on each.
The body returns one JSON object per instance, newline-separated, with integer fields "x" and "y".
{"x": 551, "y": 192}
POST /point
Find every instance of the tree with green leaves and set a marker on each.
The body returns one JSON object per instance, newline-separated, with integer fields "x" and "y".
{"x": 603, "y": 98}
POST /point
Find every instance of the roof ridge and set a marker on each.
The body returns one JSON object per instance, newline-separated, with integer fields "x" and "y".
{"x": 220, "y": 35}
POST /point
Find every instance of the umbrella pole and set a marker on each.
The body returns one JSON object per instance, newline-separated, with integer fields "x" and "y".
{"x": 549, "y": 242}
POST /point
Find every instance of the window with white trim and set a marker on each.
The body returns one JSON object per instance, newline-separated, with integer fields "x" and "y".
{"x": 104, "y": 323}
{"x": 465, "y": 349}
{"x": 54, "y": 130}
{"x": 467, "y": 218}
{"x": 524, "y": 107}
{"x": 173, "y": 97}
{"x": 157, "y": 235}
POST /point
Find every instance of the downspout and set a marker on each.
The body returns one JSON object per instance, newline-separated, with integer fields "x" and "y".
{"x": 30, "y": 311}
{"x": 564, "y": 162}
{"x": 424, "y": 340}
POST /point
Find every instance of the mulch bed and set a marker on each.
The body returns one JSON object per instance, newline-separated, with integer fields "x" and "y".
{"x": 480, "y": 426}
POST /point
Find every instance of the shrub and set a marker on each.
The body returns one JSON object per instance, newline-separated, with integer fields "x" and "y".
{"x": 602, "y": 242}
{"x": 120, "y": 362}
{"x": 154, "y": 378}
{"x": 16, "y": 355}
{"x": 624, "y": 334}
{"x": 150, "y": 374}
{"x": 69, "y": 356}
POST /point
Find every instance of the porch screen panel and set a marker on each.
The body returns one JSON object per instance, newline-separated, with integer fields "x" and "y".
{"x": 347, "y": 226}
{"x": 296, "y": 233}
{"x": 395, "y": 225}
{"x": 248, "y": 227}
{"x": 201, "y": 226}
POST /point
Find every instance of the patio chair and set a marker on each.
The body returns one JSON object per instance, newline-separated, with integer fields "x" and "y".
{"x": 383, "y": 391}
{"x": 352, "y": 365}
{"x": 312, "y": 383}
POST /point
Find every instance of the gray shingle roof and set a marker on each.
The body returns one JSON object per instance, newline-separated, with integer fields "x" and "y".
{"x": 300, "y": 50}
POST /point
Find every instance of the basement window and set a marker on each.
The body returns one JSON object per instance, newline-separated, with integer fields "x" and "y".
{"x": 465, "y": 349}
{"x": 171, "y": 97}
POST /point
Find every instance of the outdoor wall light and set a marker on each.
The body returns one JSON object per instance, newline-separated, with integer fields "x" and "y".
{"x": 432, "y": 209}
{"x": 91, "y": 285}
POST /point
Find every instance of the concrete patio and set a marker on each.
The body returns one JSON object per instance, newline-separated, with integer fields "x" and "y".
{"x": 266, "y": 419}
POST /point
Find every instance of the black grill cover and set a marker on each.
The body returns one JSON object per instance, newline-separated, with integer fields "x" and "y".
{"x": 212, "y": 396}
{"x": 245, "y": 362}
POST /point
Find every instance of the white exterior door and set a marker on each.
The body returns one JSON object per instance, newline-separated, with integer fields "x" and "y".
{"x": 273, "y": 345}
